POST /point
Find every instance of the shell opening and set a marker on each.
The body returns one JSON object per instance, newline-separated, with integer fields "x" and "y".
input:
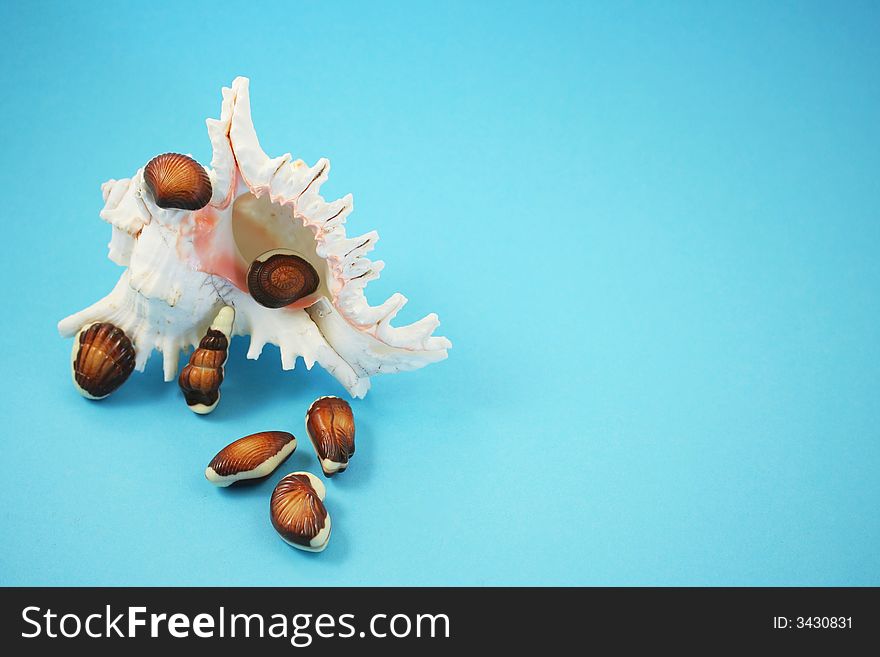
{"x": 260, "y": 226}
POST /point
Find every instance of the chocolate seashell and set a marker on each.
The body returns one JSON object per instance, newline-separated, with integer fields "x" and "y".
{"x": 279, "y": 278}
{"x": 103, "y": 358}
{"x": 251, "y": 457}
{"x": 298, "y": 513}
{"x": 177, "y": 266}
{"x": 178, "y": 181}
{"x": 201, "y": 378}
{"x": 330, "y": 425}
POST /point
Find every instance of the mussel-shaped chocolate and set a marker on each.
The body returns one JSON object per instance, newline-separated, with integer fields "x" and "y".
{"x": 330, "y": 425}
{"x": 298, "y": 513}
{"x": 103, "y": 358}
{"x": 178, "y": 181}
{"x": 200, "y": 380}
{"x": 251, "y": 457}
{"x": 279, "y": 278}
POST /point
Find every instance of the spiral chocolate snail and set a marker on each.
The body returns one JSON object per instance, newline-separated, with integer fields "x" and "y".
{"x": 200, "y": 380}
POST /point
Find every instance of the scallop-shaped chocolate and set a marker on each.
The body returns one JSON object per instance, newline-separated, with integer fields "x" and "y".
{"x": 298, "y": 513}
{"x": 330, "y": 425}
{"x": 251, "y": 457}
{"x": 200, "y": 379}
{"x": 279, "y": 278}
{"x": 103, "y": 358}
{"x": 178, "y": 181}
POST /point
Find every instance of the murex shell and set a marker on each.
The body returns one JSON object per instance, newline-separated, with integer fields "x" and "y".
{"x": 188, "y": 237}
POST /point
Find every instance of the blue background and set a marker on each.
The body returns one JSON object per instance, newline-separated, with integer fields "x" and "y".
{"x": 651, "y": 231}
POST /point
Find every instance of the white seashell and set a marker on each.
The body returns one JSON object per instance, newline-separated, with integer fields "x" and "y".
{"x": 183, "y": 265}
{"x": 298, "y": 514}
